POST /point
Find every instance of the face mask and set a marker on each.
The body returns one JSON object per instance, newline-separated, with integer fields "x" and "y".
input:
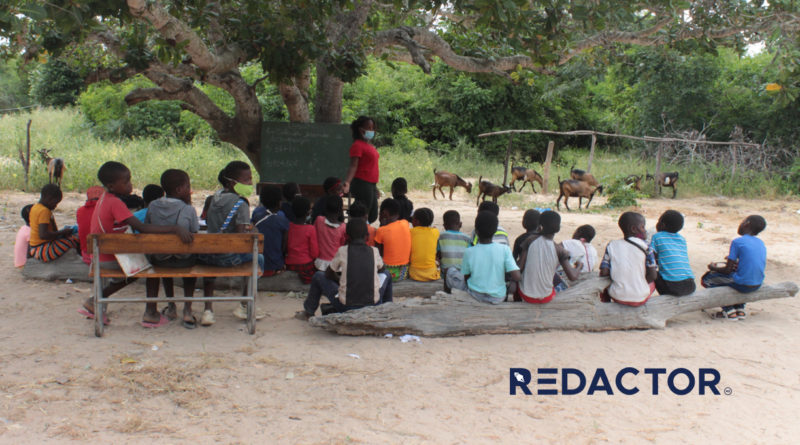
{"x": 369, "y": 134}
{"x": 243, "y": 189}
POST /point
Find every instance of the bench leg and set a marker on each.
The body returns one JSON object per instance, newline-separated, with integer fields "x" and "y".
{"x": 251, "y": 306}
{"x": 98, "y": 293}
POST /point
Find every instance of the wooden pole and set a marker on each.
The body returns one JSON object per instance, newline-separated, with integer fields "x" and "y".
{"x": 591, "y": 153}
{"x": 656, "y": 181}
{"x": 733, "y": 164}
{"x": 550, "y": 146}
{"x": 505, "y": 162}
{"x": 28, "y": 152}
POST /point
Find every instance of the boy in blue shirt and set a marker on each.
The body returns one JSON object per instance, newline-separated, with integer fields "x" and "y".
{"x": 273, "y": 224}
{"x": 485, "y": 265}
{"x": 675, "y": 276}
{"x": 744, "y": 269}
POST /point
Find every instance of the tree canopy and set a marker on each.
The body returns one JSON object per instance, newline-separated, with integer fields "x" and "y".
{"x": 182, "y": 45}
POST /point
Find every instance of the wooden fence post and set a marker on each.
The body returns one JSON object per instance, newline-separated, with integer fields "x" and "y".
{"x": 505, "y": 162}
{"x": 656, "y": 181}
{"x": 733, "y": 164}
{"x": 591, "y": 153}
{"x": 550, "y": 146}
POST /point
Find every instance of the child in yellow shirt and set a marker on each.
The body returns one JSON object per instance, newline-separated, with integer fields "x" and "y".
{"x": 423, "y": 246}
{"x": 47, "y": 243}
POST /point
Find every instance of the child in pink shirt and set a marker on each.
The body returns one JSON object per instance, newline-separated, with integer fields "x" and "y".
{"x": 23, "y": 237}
{"x": 330, "y": 231}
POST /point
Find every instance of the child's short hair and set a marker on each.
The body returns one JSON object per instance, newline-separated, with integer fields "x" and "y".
{"x": 584, "y": 232}
{"x": 330, "y": 183}
{"x": 151, "y": 192}
{"x": 270, "y": 196}
{"x": 489, "y": 206}
{"x": 110, "y": 172}
{"x": 424, "y": 216}
{"x": 399, "y": 187}
{"x": 51, "y": 191}
{"x": 628, "y": 220}
{"x": 391, "y": 206}
{"x": 25, "y": 213}
{"x": 530, "y": 220}
{"x": 290, "y": 190}
{"x": 757, "y": 224}
{"x": 451, "y": 218}
{"x": 333, "y": 205}
{"x": 485, "y": 224}
{"x": 671, "y": 221}
{"x": 171, "y": 179}
{"x": 357, "y": 210}
{"x": 550, "y": 222}
{"x": 300, "y": 207}
{"x": 357, "y": 229}
{"x": 231, "y": 172}
{"x": 134, "y": 202}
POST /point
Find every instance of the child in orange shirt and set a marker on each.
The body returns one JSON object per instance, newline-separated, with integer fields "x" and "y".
{"x": 393, "y": 240}
{"x": 423, "y": 246}
{"x": 47, "y": 243}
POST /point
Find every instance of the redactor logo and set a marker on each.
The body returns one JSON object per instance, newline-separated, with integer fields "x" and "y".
{"x": 627, "y": 381}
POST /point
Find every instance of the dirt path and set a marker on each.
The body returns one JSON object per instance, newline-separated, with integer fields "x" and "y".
{"x": 291, "y": 383}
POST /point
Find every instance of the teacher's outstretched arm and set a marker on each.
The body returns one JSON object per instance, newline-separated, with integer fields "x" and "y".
{"x": 351, "y": 172}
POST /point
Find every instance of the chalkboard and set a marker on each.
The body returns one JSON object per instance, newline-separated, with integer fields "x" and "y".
{"x": 304, "y": 153}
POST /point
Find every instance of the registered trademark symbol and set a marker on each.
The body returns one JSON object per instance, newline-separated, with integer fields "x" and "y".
{"x": 728, "y": 391}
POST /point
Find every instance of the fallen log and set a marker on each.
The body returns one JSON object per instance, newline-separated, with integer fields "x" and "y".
{"x": 68, "y": 266}
{"x": 577, "y": 308}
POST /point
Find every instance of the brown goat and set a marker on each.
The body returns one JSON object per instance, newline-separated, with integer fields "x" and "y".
{"x": 581, "y": 175}
{"x": 666, "y": 180}
{"x": 526, "y": 175}
{"x": 634, "y": 181}
{"x": 443, "y": 178}
{"x": 55, "y": 166}
{"x": 571, "y": 188}
{"x": 486, "y": 188}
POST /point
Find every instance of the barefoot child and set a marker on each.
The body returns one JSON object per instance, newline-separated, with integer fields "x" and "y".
{"x": 451, "y": 245}
{"x": 394, "y": 240}
{"x": 175, "y": 208}
{"x": 23, "y": 238}
{"x": 424, "y": 238}
{"x": 330, "y": 232}
{"x": 744, "y": 269}
{"x": 302, "y": 249}
{"x": 47, "y": 242}
{"x": 272, "y": 223}
{"x": 630, "y": 263}
{"x": 675, "y": 275}
{"x": 111, "y": 215}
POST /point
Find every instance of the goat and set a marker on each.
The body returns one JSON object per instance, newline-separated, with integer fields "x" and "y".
{"x": 55, "y": 166}
{"x": 527, "y": 175}
{"x": 634, "y": 181}
{"x": 486, "y": 188}
{"x": 443, "y": 178}
{"x": 571, "y": 188}
{"x": 666, "y": 180}
{"x": 582, "y": 175}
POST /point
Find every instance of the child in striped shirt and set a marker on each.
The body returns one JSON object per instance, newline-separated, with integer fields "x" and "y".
{"x": 675, "y": 276}
{"x": 452, "y": 244}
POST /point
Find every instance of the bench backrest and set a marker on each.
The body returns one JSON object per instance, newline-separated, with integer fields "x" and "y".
{"x": 110, "y": 243}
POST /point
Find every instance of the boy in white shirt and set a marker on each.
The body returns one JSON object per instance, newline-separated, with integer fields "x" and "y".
{"x": 630, "y": 263}
{"x": 580, "y": 248}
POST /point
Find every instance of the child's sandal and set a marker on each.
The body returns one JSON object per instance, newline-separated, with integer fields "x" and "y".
{"x": 741, "y": 315}
{"x": 729, "y": 315}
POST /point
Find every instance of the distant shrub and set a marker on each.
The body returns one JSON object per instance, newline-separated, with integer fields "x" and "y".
{"x": 55, "y": 84}
{"x": 621, "y": 195}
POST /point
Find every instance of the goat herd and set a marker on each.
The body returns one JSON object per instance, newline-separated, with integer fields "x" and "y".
{"x": 581, "y": 184}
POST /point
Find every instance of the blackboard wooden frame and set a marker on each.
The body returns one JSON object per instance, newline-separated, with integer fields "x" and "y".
{"x": 305, "y": 153}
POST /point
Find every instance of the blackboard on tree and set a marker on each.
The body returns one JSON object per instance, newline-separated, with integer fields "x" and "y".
{"x": 305, "y": 153}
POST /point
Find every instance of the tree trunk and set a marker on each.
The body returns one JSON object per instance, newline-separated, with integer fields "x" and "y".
{"x": 295, "y": 97}
{"x": 328, "y": 106}
{"x": 577, "y": 308}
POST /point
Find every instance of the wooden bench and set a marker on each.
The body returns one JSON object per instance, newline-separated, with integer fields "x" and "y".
{"x": 114, "y": 243}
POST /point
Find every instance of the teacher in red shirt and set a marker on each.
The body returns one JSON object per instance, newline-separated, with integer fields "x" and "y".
{"x": 362, "y": 176}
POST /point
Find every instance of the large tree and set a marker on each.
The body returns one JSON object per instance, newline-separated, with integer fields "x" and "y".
{"x": 181, "y": 44}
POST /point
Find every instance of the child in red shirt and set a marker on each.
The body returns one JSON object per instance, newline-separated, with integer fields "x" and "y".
{"x": 302, "y": 248}
{"x": 330, "y": 232}
{"x": 84, "y": 218}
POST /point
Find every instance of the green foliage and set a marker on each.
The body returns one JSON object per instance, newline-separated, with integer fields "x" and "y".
{"x": 621, "y": 195}
{"x": 56, "y": 84}
{"x": 14, "y": 85}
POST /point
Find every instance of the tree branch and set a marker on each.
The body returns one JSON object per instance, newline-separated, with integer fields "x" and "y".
{"x": 114, "y": 75}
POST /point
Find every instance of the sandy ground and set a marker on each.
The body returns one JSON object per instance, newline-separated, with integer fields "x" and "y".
{"x": 291, "y": 383}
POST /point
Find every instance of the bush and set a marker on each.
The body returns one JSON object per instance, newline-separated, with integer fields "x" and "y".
{"x": 56, "y": 84}
{"x": 621, "y": 195}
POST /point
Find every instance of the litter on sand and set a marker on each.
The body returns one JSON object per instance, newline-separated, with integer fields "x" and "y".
{"x": 69, "y": 281}
{"x": 389, "y": 335}
{"x": 408, "y": 337}
{"x": 353, "y": 355}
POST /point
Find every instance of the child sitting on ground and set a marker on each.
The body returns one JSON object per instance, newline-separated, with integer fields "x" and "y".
{"x": 229, "y": 212}
{"x": 302, "y": 248}
{"x": 630, "y": 263}
{"x": 330, "y": 232}
{"x": 84, "y": 218}
{"x": 580, "y": 249}
{"x": 530, "y": 222}
{"x": 272, "y": 223}
{"x": 399, "y": 191}
{"x": 290, "y": 191}
{"x": 150, "y": 193}
{"x": 500, "y": 235}
{"x": 174, "y": 208}
{"x": 540, "y": 261}
{"x": 359, "y": 210}
{"x": 424, "y": 238}
{"x": 675, "y": 275}
{"x": 111, "y": 215}
{"x": 744, "y": 268}
{"x": 356, "y": 273}
{"x": 332, "y": 186}
{"x": 47, "y": 243}
{"x": 394, "y": 240}
{"x": 23, "y": 238}
{"x": 451, "y": 245}
{"x": 486, "y": 266}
